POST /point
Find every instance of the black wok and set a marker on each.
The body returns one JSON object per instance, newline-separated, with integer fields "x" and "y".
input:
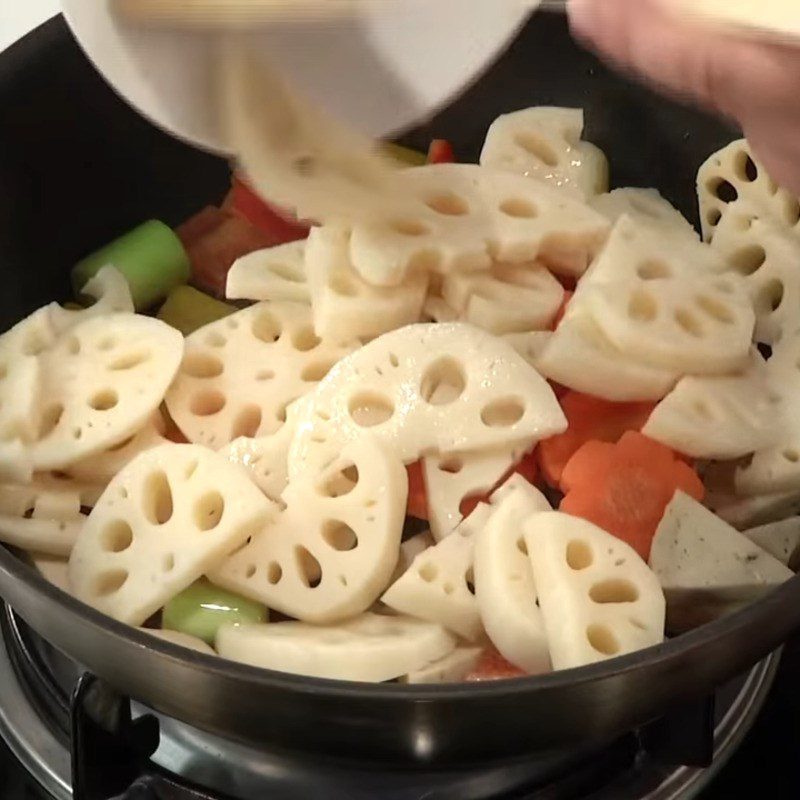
{"x": 77, "y": 167}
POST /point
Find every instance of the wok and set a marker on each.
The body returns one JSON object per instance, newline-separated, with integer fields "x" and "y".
{"x": 77, "y": 167}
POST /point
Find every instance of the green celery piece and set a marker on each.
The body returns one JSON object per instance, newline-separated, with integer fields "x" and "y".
{"x": 151, "y": 257}
{"x": 203, "y": 607}
{"x": 188, "y": 309}
{"x": 404, "y": 155}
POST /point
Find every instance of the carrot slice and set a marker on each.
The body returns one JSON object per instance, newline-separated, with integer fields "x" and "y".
{"x": 417, "y": 496}
{"x": 493, "y": 667}
{"x": 563, "y": 310}
{"x": 588, "y": 418}
{"x": 625, "y": 487}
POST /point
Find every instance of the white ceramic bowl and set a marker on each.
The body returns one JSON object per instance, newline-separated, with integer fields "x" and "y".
{"x": 382, "y": 73}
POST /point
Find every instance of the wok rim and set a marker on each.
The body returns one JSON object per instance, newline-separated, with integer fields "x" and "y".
{"x": 14, "y": 568}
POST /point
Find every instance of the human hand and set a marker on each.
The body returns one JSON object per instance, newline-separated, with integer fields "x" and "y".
{"x": 752, "y": 80}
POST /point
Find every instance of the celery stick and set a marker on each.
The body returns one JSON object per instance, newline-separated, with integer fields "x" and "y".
{"x": 188, "y": 309}
{"x": 203, "y": 607}
{"x": 151, "y": 257}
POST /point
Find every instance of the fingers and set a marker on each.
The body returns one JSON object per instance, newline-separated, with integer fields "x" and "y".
{"x": 685, "y": 60}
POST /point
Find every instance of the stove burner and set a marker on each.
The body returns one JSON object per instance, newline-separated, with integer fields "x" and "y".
{"x": 120, "y": 751}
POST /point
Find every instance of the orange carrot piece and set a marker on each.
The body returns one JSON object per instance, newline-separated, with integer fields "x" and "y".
{"x": 563, "y": 310}
{"x": 589, "y": 418}
{"x": 417, "y": 495}
{"x": 625, "y": 487}
{"x": 493, "y": 667}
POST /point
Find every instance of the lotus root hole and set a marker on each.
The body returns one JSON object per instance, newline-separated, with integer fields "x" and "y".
{"x": 746, "y": 260}
{"x": 305, "y": 339}
{"x": 452, "y": 465}
{"x": 274, "y": 573}
{"x": 370, "y": 409}
{"x": 168, "y": 563}
{"x": 247, "y": 423}
{"x": 266, "y": 328}
{"x": 746, "y": 169}
{"x": 116, "y": 537}
{"x": 503, "y": 413}
{"x": 410, "y": 227}
{"x": 448, "y": 204}
{"x": 110, "y": 581}
{"x": 208, "y": 511}
{"x": 792, "y": 456}
{"x": 51, "y": 416}
{"x": 522, "y": 545}
{"x": 104, "y": 400}
{"x": 469, "y": 580}
{"x": 308, "y": 568}
{"x": 769, "y": 297}
{"x": 723, "y": 190}
{"x": 713, "y": 217}
{"x": 206, "y": 403}
{"x": 443, "y": 382}
{"x": 653, "y": 270}
{"x": 107, "y": 343}
{"x": 715, "y": 309}
{"x": 202, "y": 365}
{"x": 428, "y": 572}
{"x": 448, "y": 588}
{"x": 614, "y": 590}
{"x": 157, "y": 498}
{"x": 602, "y": 639}
{"x": 642, "y": 306}
{"x": 129, "y": 360}
{"x": 518, "y": 208}
{"x": 689, "y": 322}
{"x": 341, "y": 482}
{"x": 579, "y": 555}
{"x": 339, "y": 536}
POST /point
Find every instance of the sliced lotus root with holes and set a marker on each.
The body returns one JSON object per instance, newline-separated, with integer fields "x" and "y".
{"x": 29, "y": 337}
{"x": 597, "y": 597}
{"x": 20, "y": 398}
{"x": 295, "y": 154}
{"x": 331, "y": 553}
{"x": 41, "y": 535}
{"x": 451, "y": 479}
{"x": 545, "y": 143}
{"x": 111, "y": 293}
{"x": 767, "y": 256}
{"x": 700, "y": 325}
{"x": 735, "y": 173}
{"x": 579, "y": 355}
{"x": 472, "y": 217}
{"x": 102, "y": 382}
{"x": 48, "y": 496}
{"x": 171, "y": 515}
{"x": 240, "y": 373}
{"x": 533, "y": 221}
{"x": 530, "y": 344}
{"x": 277, "y": 273}
{"x": 646, "y": 208}
{"x": 345, "y": 306}
{"x": 266, "y": 457}
{"x": 639, "y": 254}
{"x": 102, "y": 467}
{"x": 439, "y": 585}
{"x": 720, "y": 416}
{"x": 776, "y": 469}
{"x": 427, "y": 388}
{"x": 409, "y": 550}
{"x": 509, "y": 299}
{"x": 448, "y": 233}
{"x": 371, "y": 647}
{"x": 504, "y": 587}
